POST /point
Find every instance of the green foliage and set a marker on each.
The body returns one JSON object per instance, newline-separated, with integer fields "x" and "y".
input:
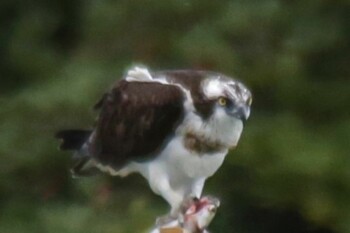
{"x": 291, "y": 170}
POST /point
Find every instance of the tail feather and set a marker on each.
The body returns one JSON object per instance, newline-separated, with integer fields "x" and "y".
{"x": 73, "y": 139}
{"x": 84, "y": 166}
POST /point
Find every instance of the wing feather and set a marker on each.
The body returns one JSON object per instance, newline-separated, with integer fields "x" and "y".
{"x": 135, "y": 121}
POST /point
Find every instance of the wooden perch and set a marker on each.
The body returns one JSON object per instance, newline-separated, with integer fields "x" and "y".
{"x": 173, "y": 230}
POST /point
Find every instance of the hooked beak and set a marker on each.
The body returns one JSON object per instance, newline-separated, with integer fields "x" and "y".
{"x": 241, "y": 112}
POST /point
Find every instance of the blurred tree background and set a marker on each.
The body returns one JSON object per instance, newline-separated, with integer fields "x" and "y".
{"x": 291, "y": 171}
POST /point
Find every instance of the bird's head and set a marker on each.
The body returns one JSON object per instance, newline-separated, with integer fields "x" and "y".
{"x": 231, "y": 97}
{"x": 216, "y": 108}
{"x": 229, "y": 102}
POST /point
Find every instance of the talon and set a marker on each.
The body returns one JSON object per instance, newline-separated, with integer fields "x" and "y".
{"x": 212, "y": 208}
{"x": 200, "y": 213}
{"x": 188, "y": 204}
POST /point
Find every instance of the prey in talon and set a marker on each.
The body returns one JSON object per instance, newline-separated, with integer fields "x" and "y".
{"x": 200, "y": 213}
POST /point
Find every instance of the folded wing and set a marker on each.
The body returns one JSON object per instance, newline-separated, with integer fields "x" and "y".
{"x": 136, "y": 119}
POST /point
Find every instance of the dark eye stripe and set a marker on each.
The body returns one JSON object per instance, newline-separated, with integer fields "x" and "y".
{"x": 229, "y": 103}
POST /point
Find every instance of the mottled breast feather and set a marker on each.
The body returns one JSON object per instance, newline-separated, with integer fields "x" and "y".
{"x": 136, "y": 119}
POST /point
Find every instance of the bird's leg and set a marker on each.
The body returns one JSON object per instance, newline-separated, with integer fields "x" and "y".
{"x": 175, "y": 202}
{"x": 160, "y": 185}
{"x": 197, "y": 188}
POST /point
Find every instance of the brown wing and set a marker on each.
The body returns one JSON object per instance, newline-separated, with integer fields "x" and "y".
{"x": 135, "y": 121}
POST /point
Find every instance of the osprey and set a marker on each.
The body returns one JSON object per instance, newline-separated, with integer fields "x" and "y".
{"x": 173, "y": 127}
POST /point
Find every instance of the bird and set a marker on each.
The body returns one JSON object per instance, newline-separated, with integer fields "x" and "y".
{"x": 174, "y": 127}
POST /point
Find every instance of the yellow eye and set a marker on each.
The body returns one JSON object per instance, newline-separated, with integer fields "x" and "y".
{"x": 222, "y": 101}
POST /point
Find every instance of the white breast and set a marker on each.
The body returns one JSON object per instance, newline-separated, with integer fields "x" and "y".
{"x": 184, "y": 171}
{"x": 179, "y": 160}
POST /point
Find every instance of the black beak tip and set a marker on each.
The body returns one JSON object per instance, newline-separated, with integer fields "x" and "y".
{"x": 242, "y": 113}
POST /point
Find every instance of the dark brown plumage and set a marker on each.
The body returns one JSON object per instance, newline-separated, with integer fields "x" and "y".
{"x": 135, "y": 119}
{"x": 191, "y": 80}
